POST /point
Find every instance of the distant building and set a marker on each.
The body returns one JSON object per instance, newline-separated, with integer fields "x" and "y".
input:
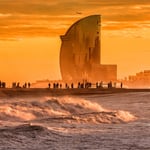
{"x": 141, "y": 79}
{"x": 80, "y": 54}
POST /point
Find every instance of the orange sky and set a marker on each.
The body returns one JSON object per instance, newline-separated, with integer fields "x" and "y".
{"x": 30, "y": 44}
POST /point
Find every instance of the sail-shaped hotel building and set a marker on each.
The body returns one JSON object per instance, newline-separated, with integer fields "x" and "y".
{"x": 80, "y": 54}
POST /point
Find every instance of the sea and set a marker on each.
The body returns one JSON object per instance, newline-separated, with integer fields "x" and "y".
{"x": 119, "y": 121}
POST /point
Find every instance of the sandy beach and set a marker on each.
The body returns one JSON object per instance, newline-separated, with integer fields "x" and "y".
{"x": 35, "y": 92}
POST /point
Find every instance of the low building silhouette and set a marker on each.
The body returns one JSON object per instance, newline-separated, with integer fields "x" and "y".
{"x": 141, "y": 79}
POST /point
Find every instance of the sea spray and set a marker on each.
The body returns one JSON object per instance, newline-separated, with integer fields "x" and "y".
{"x": 61, "y": 109}
{"x": 15, "y": 113}
{"x": 82, "y": 130}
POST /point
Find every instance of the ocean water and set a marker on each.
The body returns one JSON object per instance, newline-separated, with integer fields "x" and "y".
{"x": 118, "y": 121}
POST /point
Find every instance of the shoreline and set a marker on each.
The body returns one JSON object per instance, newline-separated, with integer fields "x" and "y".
{"x": 37, "y": 92}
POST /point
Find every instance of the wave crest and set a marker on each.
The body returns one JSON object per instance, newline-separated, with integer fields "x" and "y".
{"x": 62, "y": 109}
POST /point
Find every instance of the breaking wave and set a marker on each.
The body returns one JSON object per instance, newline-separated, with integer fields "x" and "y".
{"x": 61, "y": 109}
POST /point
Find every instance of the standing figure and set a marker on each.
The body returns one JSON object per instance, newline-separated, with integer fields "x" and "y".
{"x": 66, "y": 86}
{"x": 101, "y": 84}
{"x": 96, "y": 84}
{"x": 25, "y": 85}
{"x": 121, "y": 85}
{"x": 72, "y": 86}
{"x": 49, "y": 85}
{"x": 29, "y": 84}
{"x": 114, "y": 84}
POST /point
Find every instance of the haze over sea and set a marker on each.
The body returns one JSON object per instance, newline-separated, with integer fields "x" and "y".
{"x": 100, "y": 121}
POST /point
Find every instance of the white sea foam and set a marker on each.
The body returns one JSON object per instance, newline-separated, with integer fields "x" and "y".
{"x": 76, "y": 123}
{"x": 66, "y": 109}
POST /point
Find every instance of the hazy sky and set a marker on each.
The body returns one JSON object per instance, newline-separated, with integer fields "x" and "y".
{"x": 30, "y": 29}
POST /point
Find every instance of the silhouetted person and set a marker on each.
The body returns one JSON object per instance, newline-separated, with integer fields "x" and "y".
{"x": 114, "y": 84}
{"x": 29, "y": 84}
{"x": 101, "y": 84}
{"x": 25, "y": 85}
{"x": 90, "y": 84}
{"x": 53, "y": 85}
{"x": 60, "y": 85}
{"x": 96, "y": 84}
{"x": 49, "y": 85}
{"x": 66, "y": 86}
{"x": 110, "y": 84}
{"x": 82, "y": 85}
{"x": 0, "y": 84}
{"x": 79, "y": 86}
{"x": 3, "y": 84}
{"x": 121, "y": 85}
{"x": 14, "y": 85}
{"x": 86, "y": 85}
{"x": 57, "y": 85}
{"x": 18, "y": 85}
{"x": 72, "y": 86}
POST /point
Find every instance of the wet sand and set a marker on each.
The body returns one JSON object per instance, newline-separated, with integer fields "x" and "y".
{"x": 36, "y": 92}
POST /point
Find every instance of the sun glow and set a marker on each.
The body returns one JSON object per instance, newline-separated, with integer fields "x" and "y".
{"x": 30, "y": 43}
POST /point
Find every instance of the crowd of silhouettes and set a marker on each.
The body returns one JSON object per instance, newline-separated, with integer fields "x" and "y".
{"x": 17, "y": 85}
{"x": 121, "y": 85}
{"x": 84, "y": 85}
{"x": 2, "y": 84}
{"x": 110, "y": 85}
{"x": 55, "y": 85}
{"x": 81, "y": 85}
